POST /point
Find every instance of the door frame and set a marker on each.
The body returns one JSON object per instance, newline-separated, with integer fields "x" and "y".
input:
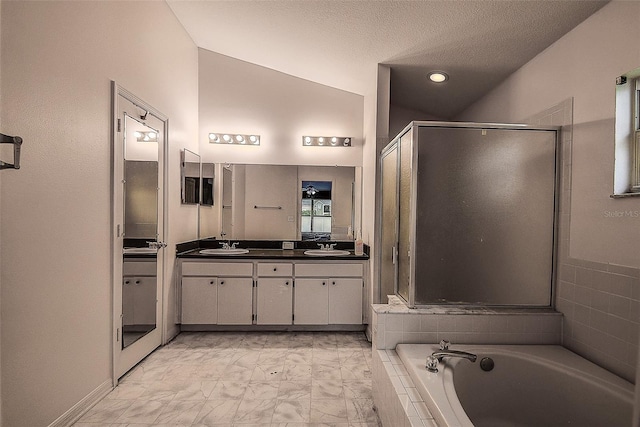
{"x": 117, "y": 172}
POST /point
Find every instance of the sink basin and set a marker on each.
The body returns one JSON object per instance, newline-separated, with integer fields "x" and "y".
{"x": 320, "y": 252}
{"x": 139, "y": 251}
{"x": 220, "y": 251}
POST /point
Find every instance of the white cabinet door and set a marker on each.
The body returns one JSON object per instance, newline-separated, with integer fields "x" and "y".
{"x": 199, "y": 301}
{"x": 144, "y": 297}
{"x": 275, "y": 301}
{"x": 311, "y": 302}
{"x": 235, "y": 306}
{"x": 345, "y": 301}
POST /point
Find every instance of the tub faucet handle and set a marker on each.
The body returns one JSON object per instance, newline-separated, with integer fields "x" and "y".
{"x": 444, "y": 345}
{"x": 432, "y": 364}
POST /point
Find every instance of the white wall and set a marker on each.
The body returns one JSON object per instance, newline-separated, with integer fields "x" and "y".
{"x": 583, "y": 65}
{"x": 58, "y": 59}
{"x": 400, "y": 117}
{"x": 240, "y": 97}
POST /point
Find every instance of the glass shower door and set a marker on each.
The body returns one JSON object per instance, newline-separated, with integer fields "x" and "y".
{"x": 389, "y": 224}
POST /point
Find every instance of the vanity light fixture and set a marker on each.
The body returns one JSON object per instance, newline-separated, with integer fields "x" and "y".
{"x": 233, "y": 138}
{"x": 438, "y": 76}
{"x": 150, "y": 136}
{"x": 326, "y": 141}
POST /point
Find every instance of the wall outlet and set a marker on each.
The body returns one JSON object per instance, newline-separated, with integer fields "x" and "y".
{"x": 287, "y": 245}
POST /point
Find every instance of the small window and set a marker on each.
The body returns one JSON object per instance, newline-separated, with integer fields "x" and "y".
{"x": 627, "y": 135}
{"x": 635, "y": 149}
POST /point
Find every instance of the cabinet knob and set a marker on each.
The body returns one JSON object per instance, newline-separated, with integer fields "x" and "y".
{"x": 333, "y": 283}
{"x": 222, "y": 282}
{"x": 137, "y": 282}
{"x": 275, "y": 269}
{"x": 286, "y": 283}
{"x": 324, "y": 283}
{"x": 126, "y": 282}
{"x": 211, "y": 282}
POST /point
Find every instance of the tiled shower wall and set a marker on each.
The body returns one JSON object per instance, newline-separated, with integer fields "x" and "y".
{"x": 600, "y": 302}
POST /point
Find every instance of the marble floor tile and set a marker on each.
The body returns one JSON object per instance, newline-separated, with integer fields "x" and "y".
{"x": 224, "y": 390}
{"x": 255, "y": 411}
{"x": 233, "y": 379}
{"x": 214, "y": 412}
{"x": 141, "y": 411}
{"x": 291, "y": 411}
{"x": 328, "y": 411}
{"x": 290, "y": 390}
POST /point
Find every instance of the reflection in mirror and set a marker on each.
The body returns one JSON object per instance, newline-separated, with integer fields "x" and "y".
{"x": 208, "y": 175}
{"x": 139, "y": 283}
{"x": 315, "y": 219}
{"x": 190, "y": 174}
{"x": 256, "y": 195}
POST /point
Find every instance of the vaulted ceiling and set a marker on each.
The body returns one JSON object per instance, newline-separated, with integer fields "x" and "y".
{"x": 339, "y": 43}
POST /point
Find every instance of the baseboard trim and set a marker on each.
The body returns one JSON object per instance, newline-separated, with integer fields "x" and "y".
{"x": 79, "y": 409}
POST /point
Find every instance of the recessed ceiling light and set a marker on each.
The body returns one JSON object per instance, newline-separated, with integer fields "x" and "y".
{"x": 438, "y": 76}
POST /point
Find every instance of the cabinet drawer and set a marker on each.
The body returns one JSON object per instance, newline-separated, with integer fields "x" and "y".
{"x": 217, "y": 269}
{"x": 275, "y": 269}
{"x": 329, "y": 270}
{"x": 139, "y": 268}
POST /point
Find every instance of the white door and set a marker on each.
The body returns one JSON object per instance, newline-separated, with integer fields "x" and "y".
{"x": 345, "y": 301}
{"x": 139, "y": 147}
{"x": 199, "y": 300}
{"x": 235, "y": 303}
{"x": 275, "y": 301}
{"x": 311, "y": 302}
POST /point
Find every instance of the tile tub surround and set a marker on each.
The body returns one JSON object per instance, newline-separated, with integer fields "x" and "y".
{"x": 398, "y": 402}
{"x": 600, "y": 301}
{"x": 258, "y": 379}
{"x": 394, "y": 323}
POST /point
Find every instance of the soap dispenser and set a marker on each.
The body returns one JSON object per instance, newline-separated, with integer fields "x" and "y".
{"x": 359, "y": 245}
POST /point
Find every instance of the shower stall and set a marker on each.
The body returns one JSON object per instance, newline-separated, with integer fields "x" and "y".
{"x": 468, "y": 214}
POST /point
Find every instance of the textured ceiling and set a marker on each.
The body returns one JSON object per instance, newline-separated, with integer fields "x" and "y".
{"x": 339, "y": 43}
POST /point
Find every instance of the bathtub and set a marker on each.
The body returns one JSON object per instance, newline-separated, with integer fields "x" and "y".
{"x": 530, "y": 385}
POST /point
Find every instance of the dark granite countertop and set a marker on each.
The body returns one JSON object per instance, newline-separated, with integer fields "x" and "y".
{"x": 266, "y": 249}
{"x": 261, "y": 253}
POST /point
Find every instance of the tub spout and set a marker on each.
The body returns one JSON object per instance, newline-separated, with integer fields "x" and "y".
{"x": 437, "y": 356}
{"x": 454, "y": 353}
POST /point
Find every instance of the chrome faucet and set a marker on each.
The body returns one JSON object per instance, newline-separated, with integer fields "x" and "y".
{"x": 327, "y": 247}
{"x": 437, "y": 356}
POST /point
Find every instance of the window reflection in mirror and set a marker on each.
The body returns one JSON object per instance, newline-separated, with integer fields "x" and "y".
{"x": 315, "y": 219}
{"x": 190, "y": 170}
{"x": 208, "y": 175}
{"x": 259, "y": 202}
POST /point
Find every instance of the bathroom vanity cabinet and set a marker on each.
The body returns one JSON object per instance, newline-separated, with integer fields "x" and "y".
{"x": 287, "y": 293}
{"x": 217, "y": 293}
{"x": 138, "y": 294}
{"x": 321, "y": 299}
{"x": 274, "y": 292}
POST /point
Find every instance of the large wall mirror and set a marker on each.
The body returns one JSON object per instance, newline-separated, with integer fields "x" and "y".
{"x": 287, "y": 202}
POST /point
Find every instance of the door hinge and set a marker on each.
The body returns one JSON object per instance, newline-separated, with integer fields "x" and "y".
{"x": 255, "y": 283}
{"x": 117, "y": 334}
{"x": 293, "y": 317}
{"x": 119, "y": 126}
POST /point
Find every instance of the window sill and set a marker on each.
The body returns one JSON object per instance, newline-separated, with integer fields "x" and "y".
{"x": 624, "y": 195}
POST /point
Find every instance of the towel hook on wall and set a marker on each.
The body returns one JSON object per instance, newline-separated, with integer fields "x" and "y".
{"x": 17, "y": 142}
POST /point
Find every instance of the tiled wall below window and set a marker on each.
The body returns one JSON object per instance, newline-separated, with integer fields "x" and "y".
{"x": 600, "y": 302}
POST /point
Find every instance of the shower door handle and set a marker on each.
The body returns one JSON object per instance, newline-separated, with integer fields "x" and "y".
{"x": 394, "y": 254}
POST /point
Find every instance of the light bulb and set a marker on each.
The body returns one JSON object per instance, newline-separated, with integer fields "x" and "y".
{"x": 334, "y": 140}
{"x": 226, "y": 138}
{"x": 253, "y": 139}
{"x": 307, "y": 140}
{"x": 438, "y": 76}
